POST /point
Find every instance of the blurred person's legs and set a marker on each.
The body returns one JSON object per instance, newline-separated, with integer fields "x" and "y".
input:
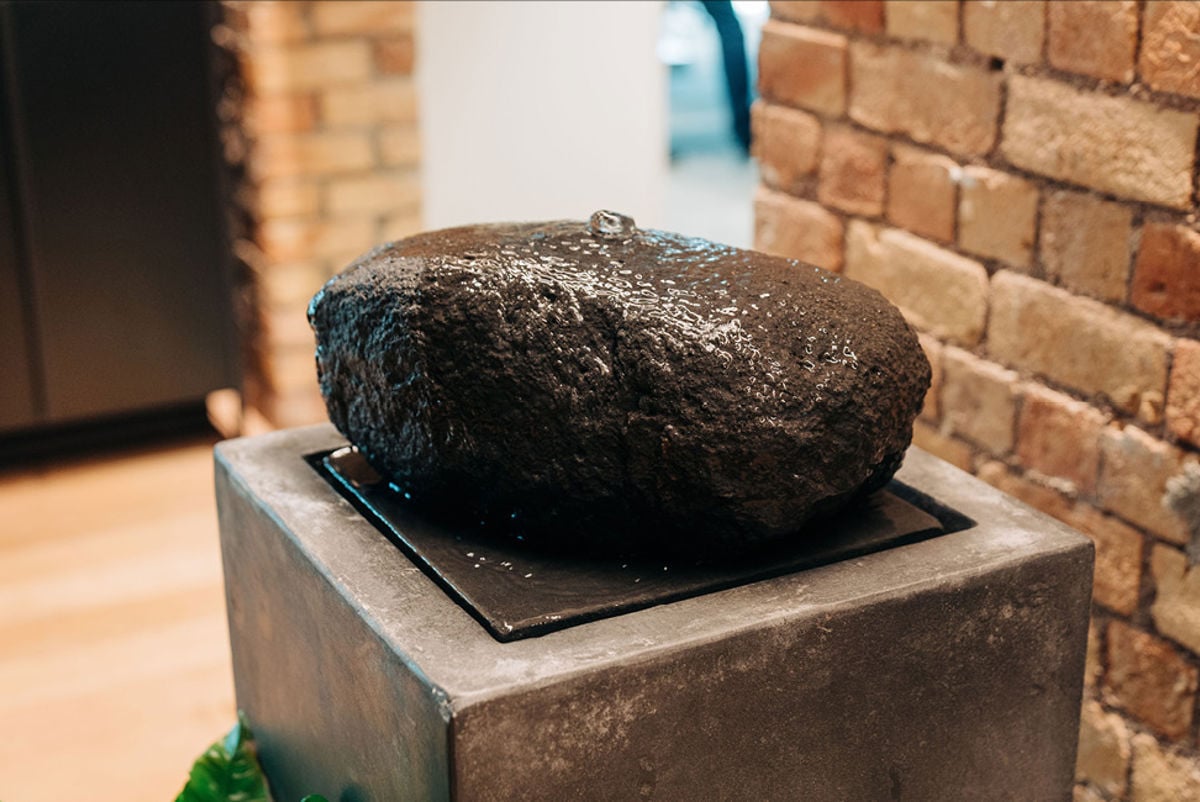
{"x": 737, "y": 74}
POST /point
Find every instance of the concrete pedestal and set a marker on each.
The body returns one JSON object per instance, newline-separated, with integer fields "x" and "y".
{"x": 948, "y": 669}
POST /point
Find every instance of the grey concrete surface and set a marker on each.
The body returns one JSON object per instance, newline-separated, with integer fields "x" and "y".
{"x": 947, "y": 669}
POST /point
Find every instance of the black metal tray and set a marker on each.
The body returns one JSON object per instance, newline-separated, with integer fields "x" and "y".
{"x": 517, "y": 592}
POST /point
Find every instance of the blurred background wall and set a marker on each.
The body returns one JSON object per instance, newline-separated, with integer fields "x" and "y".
{"x": 541, "y": 111}
{"x": 1020, "y": 178}
{"x": 325, "y": 124}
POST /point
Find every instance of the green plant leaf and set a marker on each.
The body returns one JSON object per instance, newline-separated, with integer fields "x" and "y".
{"x": 314, "y": 798}
{"x": 228, "y": 771}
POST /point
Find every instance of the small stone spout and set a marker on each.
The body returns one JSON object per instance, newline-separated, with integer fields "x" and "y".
{"x": 611, "y": 225}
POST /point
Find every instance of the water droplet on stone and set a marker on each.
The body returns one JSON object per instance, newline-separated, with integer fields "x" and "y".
{"x": 610, "y": 225}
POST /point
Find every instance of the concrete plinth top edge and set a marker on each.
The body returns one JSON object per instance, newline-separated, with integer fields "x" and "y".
{"x": 465, "y": 665}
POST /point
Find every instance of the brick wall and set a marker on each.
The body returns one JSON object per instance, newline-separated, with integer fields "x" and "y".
{"x": 1020, "y": 178}
{"x": 329, "y": 118}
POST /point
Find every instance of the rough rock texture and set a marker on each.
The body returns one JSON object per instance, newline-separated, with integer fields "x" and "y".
{"x": 600, "y": 384}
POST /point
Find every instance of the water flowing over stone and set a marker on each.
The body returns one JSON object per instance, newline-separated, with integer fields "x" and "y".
{"x": 594, "y": 384}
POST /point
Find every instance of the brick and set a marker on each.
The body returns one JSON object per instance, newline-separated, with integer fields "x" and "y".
{"x": 1176, "y": 608}
{"x": 1162, "y": 776}
{"x": 796, "y": 10}
{"x": 1183, "y": 394}
{"x": 978, "y": 403}
{"x": 1079, "y": 342}
{"x": 1085, "y": 243}
{"x": 921, "y": 192}
{"x": 931, "y": 408}
{"x": 286, "y": 197}
{"x": 1134, "y": 471}
{"x": 274, "y": 22}
{"x": 1149, "y": 679}
{"x": 300, "y": 406}
{"x": 803, "y": 67}
{"x": 1060, "y": 437}
{"x": 376, "y": 193}
{"x": 341, "y": 255}
{"x": 1012, "y": 29}
{"x": 333, "y": 17}
{"x": 1166, "y": 276}
{"x": 1170, "y": 60}
{"x": 281, "y": 114}
{"x": 930, "y": 20}
{"x": 394, "y": 55}
{"x": 1094, "y": 37}
{"x": 853, "y": 171}
{"x": 1081, "y": 793}
{"x": 855, "y": 15}
{"x": 1116, "y": 575}
{"x": 997, "y": 215}
{"x": 287, "y": 327}
{"x": 942, "y": 446}
{"x": 400, "y": 226}
{"x": 297, "y": 68}
{"x": 939, "y": 291}
{"x": 1104, "y": 750}
{"x": 1113, "y": 144}
{"x": 1050, "y": 501}
{"x": 386, "y": 101}
{"x": 901, "y": 91}
{"x": 787, "y": 144}
{"x": 400, "y": 146}
{"x": 311, "y": 154}
{"x": 293, "y": 368}
{"x": 295, "y": 240}
{"x": 290, "y": 285}
{"x": 797, "y": 229}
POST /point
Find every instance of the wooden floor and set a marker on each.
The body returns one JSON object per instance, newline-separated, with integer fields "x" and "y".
{"x": 114, "y": 656}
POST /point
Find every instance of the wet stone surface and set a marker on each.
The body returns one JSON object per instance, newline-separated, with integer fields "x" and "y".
{"x": 594, "y": 385}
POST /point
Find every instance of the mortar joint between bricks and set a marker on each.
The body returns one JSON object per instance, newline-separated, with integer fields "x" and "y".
{"x": 1036, "y": 268}
{"x": 994, "y": 151}
{"x": 958, "y": 55}
{"x": 1195, "y": 181}
{"x": 1018, "y": 393}
{"x": 889, "y": 161}
{"x": 960, "y": 34}
{"x": 956, "y": 185}
{"x": 1044, "y": 55}
{"x": 1098, "y": 401}
{"x": 1134, "y": 90}
{"x": 1138, "y": 38}
{"x": 1147, "y": 588}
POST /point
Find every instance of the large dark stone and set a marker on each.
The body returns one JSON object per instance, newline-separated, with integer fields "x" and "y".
{"x": 596, "y": 383}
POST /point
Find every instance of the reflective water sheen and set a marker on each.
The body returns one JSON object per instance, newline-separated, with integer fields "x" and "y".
{"x": 695, "y": 295}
